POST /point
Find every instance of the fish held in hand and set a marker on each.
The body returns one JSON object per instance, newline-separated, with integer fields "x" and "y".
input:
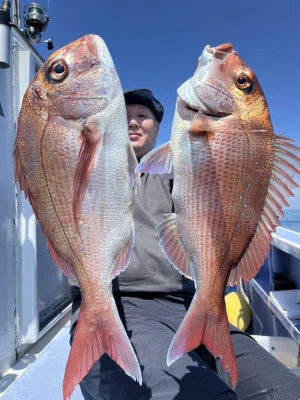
{"x": 75, "y": 163}
{"x": 232, "y": 175}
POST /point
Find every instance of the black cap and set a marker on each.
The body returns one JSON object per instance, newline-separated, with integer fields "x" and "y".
{"x": 146, "y": 98}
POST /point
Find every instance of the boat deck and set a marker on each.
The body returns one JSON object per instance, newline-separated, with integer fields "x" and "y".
{"x": 39, "y": 374}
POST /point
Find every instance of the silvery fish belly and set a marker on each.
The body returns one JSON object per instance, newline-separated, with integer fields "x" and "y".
{"x": 74, "y": 161}
{"x": 231, "y": 178}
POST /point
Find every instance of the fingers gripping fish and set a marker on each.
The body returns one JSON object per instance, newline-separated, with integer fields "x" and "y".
{"x": 231, "y": 178}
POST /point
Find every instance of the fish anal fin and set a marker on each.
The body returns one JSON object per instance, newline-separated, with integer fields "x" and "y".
{"x": 171, "y": 246}
{"x": 91, "y": 341}
{"x": 123, "y": 258}
{"x": 203, "y": 326}
{"x": 92, "y": 137}
{"x": 158, "y": 161}
{"x": 279, "y": 188}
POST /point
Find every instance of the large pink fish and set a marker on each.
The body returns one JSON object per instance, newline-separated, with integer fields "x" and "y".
{"x": 74, "y": 161}
{"x": 231, "y": 177}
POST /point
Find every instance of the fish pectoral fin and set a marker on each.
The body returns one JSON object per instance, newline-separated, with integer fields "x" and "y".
{"x": 132, "y": 163}
{"x": 284, "y": 161}
{"x": 158, "y": 161}
{"x": 123, "y": 258}
{"x": 92, "y": 138}
{"x": 171, "y": 246}
{"x": 94, "y": 337}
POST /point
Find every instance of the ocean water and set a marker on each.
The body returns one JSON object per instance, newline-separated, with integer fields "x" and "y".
{"x": 291, "y": 219}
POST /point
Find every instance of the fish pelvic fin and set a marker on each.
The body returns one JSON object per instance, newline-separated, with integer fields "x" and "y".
{"x": 286, "y": 157}
{"x": 91, "y": 342}
{"x": 172, "y": 248}
{"x": 203, "y": 326}
{"x": 92, "y": 138}
{"x": 123, "y": 259}
{"x": 158, "y": 161}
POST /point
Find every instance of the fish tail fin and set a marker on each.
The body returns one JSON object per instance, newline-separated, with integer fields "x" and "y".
{"x": 90, "y": 344}
{"x": 208, "y": 329}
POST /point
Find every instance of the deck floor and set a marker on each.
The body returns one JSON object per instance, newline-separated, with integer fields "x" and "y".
{"x": 39, "y": 375}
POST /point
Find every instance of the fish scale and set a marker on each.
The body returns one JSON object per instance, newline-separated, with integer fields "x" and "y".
{"x": 231, "y": 176}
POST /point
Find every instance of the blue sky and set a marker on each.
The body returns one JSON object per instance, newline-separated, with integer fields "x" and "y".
{"x": 156, "y": 45}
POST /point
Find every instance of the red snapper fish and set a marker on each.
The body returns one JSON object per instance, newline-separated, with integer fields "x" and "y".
{"x": 231, "y": 178}
{"x": 75, "y": 163}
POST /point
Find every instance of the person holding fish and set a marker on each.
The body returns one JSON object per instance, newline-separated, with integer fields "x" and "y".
{"x": 140, "y": 328}
{"x": 152, "y": 299}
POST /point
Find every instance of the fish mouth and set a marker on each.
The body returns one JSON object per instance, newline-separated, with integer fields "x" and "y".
{"x": 187, "y": 108}
{"x": 191, "y": 102}
{"x": 220, "y": 52}
{"x": 204, "y": 94}
{"x": 109, "y": 85}
{"x": 96, "y": 46}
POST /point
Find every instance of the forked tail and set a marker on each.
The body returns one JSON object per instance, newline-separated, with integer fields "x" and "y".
{"x": 209, "y": 329}
{"x": 90, "y": 342}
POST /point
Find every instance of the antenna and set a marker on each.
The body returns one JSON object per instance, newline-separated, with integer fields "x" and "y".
{"x": 16, "y": 13}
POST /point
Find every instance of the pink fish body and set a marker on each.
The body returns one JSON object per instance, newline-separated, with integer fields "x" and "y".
{"x": 74, "y": 161}
{"x": 231, "y": 177}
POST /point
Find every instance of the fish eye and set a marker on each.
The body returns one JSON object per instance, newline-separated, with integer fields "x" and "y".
{"x": 58, "y": 70}
{"x": 243, "y": 81}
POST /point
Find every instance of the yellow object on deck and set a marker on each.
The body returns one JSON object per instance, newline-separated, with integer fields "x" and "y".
{"x": 238, "y": 310}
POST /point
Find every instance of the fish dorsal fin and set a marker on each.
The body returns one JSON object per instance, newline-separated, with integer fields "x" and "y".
{"x": 132, "y": 163}
{"x": 158, "y": 161}
{"x": 123, "y": 258}
{"x": 284, "y": 160}
{"x": 171, "y": 246}
{"x": 92, "y": 138}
